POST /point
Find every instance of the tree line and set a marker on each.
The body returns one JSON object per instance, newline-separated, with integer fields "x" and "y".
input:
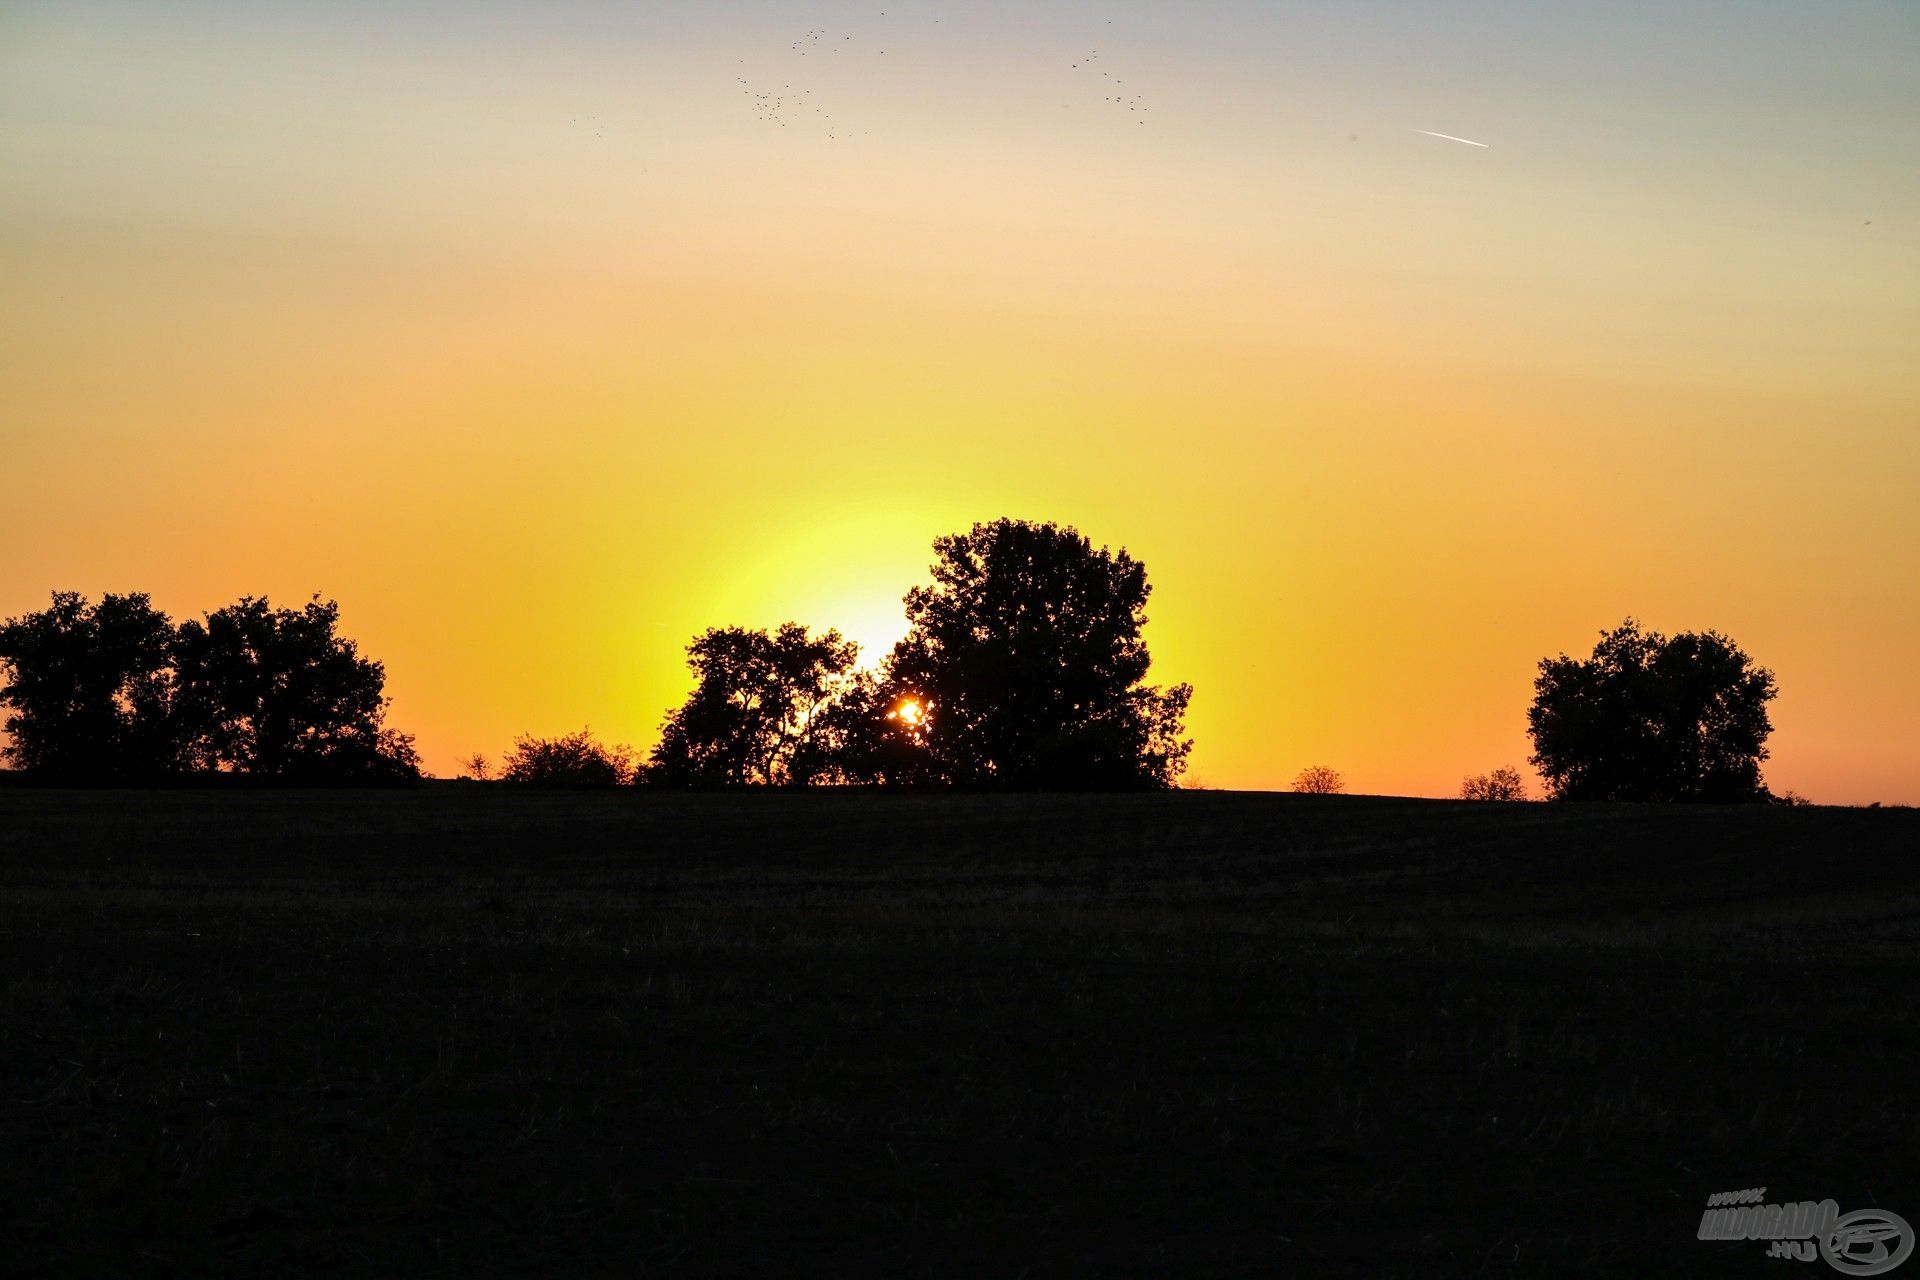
{"x": 1024, "y": 666}
{"x": 117, "y": 692}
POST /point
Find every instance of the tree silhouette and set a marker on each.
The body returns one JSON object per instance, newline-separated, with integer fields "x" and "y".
{"x": 869, "y": 733}
{"x": 89, "y": 688}
{"x": 1648, "y": 718}
{"x": 115, "y": 691}
{"x": 1023, "y": 667}
{"x": 574, "y": 760}
{"x": 277, "y": 693}
{"x": 1319, "y": 780}
{"x": 845, "y": 738}
{"x": 762, "y": 710}
{"x": 1504, "y": 783}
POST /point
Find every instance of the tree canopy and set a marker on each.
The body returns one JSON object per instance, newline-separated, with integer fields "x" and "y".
{"x": 1024, "y": 666}
{"x": 115, "y": 691}
{"x": 759, "y": 710}
{"x": 279, "y": 693}
{"x": 89, "y": 688}
{"x": 1652, "y": 718}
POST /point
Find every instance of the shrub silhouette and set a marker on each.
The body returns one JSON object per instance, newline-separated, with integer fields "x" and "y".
{"x": 1504, "y": 783}
{"x": 1023, "y": 667}
{"x": 574, "y": 760}
{"x": 1319, "y": 780}
{"x": 1652, "y": 718}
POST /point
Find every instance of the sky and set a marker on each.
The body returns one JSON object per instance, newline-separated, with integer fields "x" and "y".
{"x": 545, "y": 335}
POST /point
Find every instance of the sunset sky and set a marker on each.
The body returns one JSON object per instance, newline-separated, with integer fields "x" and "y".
{"x": 539, "y": 339}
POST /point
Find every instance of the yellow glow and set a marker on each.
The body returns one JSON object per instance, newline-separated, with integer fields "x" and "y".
{"x": 1388, "y": 419}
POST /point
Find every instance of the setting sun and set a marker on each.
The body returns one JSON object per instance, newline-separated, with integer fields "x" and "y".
{"x": 1020, "y": 637}
{"x": 546, "y": 339}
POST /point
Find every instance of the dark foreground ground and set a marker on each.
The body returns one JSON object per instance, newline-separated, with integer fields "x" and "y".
{"x": 468, "y": 1031}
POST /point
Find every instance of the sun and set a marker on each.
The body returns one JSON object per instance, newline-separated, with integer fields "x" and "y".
{"x": 909, "y": 713}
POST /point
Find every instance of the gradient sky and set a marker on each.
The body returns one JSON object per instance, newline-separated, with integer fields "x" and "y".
{"x": 523, "y": 331}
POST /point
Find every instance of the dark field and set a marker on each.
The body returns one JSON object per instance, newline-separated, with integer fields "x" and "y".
{"x": 465, "y": 1030}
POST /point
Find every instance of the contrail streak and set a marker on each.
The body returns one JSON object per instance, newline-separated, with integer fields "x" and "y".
{"x": 1450, "y": 138}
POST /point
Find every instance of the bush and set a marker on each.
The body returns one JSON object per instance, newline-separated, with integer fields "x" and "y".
{"x": 576, "y": 760}
{"x": 1319, "y": 780}
{"x": 1504, "y": 783}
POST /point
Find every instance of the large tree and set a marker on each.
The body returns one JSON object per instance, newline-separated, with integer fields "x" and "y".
{"x": 760, "y": 709}
{"x": 1652, "y": 718}
{"x": 279, "y": 693}
{"x": 1024, "y": 666}
{"x": 89, "y": 688}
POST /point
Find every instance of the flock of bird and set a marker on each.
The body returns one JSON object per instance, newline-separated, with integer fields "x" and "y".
{"x": 1130, "y": 102}
{"x": 775, "y": 106}
{"x": 788, "y": 107}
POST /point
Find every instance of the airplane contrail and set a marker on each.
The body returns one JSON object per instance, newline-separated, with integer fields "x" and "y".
{"x": 1450, "y": 138}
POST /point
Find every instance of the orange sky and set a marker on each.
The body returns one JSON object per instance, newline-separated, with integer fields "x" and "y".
{"x": 527, "y": 338}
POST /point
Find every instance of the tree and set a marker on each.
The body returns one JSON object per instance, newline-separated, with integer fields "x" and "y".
{"x": 1023, "y": 667}
{"x": 869, "y": 733}
{"x": 574, "y": 760}
{"x": 90, "y": 689}
{"x": 1504, "y": 783}
{"x": 477, "y": 766}
{"x": 844, "y": 737}
{"x": 1648, "y": 718}
{"x": 278, "y": 693}
{"x": 1319, "y": 780}
{"x": 763, "y": 710}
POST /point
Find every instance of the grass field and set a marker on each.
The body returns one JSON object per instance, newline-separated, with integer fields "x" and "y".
{"x": 466, "y": 1030}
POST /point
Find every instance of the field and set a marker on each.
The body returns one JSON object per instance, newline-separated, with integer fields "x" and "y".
{"x": 465, "y": 1030}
